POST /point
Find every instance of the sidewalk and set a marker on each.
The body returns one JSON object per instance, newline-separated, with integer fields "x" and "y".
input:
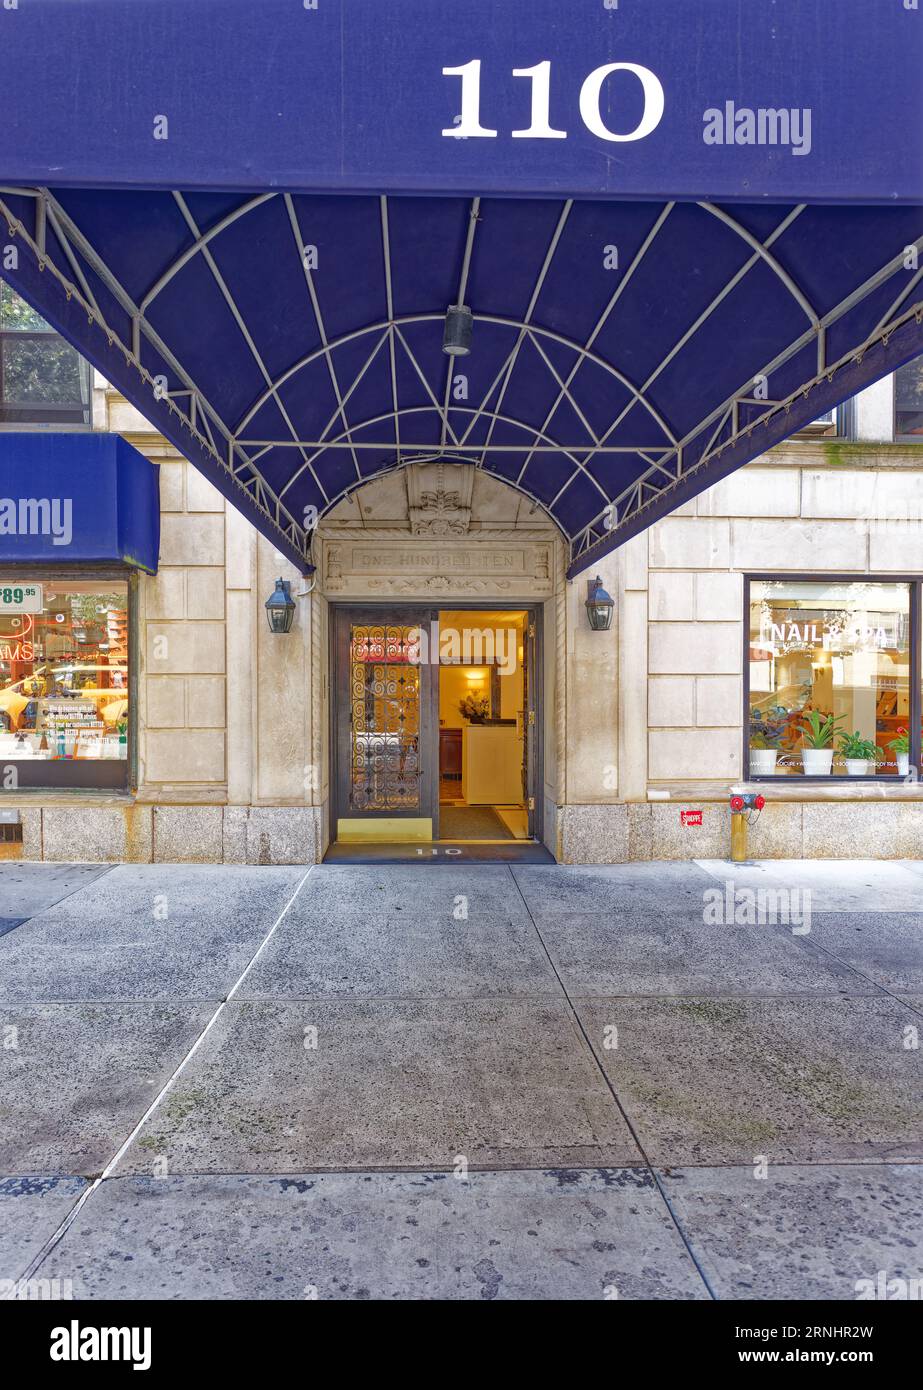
{"x": 474, "y": 1082}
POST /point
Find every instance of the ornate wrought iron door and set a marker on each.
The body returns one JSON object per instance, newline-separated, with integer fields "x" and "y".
{"x": 386, "y": 715}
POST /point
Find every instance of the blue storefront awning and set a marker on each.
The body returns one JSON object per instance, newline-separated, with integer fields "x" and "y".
{"x": 77, "y": 499}
{"x": 684, "y": 229}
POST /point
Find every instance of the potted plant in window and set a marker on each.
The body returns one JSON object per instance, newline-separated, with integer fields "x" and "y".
{"x": 858, "y": 753}
{"x": 766, "y": 730}
{"x": 901, "y": 747}
{"x": 817, "y": 734}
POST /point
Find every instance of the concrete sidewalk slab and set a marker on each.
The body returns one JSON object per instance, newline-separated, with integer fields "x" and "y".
{"x": 666, "y": 887}
{"x": 501, "y": 1235}
{"x": 222, "y": 894}
{"x": 113, "y": 959}
{"x": 802, "y": 1232}
{"x": 885, "y": 946}
{"x": 402, "y": 890}
{"x": 80, "y": 1076}
{"x": 391, "y": 955}
{"x": 26, "y": 889}
{"x": 801, "y": 1080}
{"x": 642, "y": 951}
{"x": 390, "y": 1084}
{"x": 836, "y": 885}
{"x": 31, "y": 1210}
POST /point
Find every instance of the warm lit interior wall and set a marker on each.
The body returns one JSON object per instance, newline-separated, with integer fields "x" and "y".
{"x": 454, "y": 686}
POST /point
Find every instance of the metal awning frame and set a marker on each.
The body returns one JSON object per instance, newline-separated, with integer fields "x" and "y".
{"x": 741, "y": 427}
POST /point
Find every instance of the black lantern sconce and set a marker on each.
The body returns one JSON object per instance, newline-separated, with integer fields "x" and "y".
{"x": 456, "y": 340}
{"x": 280, "y": 607}
{"x": 599, "y": 605}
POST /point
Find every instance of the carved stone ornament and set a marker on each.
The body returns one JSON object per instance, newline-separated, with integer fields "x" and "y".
{"x": 439, "y": 499}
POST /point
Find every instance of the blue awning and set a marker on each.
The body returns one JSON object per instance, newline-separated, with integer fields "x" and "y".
{"x": 643, "y": 323}
{"x": 77, "y": 499}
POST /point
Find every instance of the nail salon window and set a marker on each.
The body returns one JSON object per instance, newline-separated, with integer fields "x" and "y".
{"x": 832, "y": 678}
{"x": 64, "y": 682}
{"x": 43, "y": 380}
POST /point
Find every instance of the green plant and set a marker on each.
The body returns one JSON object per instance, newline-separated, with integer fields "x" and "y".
{"x": 818, "y": 730}
{"x": 901, "y": 744}
{"x": 855, "y": 746}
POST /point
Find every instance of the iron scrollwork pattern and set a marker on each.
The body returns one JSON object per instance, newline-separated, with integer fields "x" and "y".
{"x": 385, "y": 718}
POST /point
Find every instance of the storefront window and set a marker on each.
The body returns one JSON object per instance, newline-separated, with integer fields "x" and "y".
{"x": 64, "y": 681}
{"x": 829, "y": 678}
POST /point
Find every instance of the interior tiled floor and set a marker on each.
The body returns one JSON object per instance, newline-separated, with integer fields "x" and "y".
{"x": 480, "y": 1081}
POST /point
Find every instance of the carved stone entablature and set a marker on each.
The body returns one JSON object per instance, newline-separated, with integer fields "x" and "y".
{"x": 355, "y": 568}
{"x": 439, "y": 499}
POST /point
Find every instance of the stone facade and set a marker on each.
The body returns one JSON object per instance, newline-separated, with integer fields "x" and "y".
{"x": 641, "y": 723}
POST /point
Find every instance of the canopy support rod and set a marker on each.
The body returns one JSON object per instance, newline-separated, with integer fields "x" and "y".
{"x": 707, "y": 313}
{"x": 389, "y": 301}
{"x": 318, "y": 316}
{"x": 832, "y": 316}
{"x": 388, "y": 444}
{"x": 440, "y": 410}
{"x": 473, "y": 219}
{"x": 316, "y": 452}
{"x": 241, "y": 324}
{"x": 604, "y": 318}
{"x": 510, "y": 365}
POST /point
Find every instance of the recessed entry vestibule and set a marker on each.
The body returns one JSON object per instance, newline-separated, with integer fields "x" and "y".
{"x": 436, "y": 727}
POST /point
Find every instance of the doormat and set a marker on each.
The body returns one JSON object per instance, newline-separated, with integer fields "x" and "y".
{"x": 472, "y": 823}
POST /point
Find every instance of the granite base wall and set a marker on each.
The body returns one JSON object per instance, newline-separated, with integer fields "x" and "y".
{"x": 609, "y": 834}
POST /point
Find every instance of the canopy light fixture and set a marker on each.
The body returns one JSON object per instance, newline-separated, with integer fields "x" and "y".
{"x": 456, "y": 341}
{"x": 599, "y": 605}
{"x": 280, "y": 607}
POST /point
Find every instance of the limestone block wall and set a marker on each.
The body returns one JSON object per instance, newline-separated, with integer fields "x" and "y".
{"x": 183, "y": 716}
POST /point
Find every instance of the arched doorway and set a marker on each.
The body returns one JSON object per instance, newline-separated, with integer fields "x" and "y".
{"x": 440, "y": 583}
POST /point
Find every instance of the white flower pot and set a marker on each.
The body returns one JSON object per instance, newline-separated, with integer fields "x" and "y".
{"x": 817, "y": 762}
{"x": 857, "y": 767}
{"x": 763, "y": 761}
{"x": 903, "y": 764}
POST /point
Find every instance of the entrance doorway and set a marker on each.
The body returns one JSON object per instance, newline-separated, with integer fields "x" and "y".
{"x": 436, "y": 725}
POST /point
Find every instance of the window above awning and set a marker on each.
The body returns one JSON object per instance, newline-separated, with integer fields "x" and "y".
{"x": 643, "y": 325}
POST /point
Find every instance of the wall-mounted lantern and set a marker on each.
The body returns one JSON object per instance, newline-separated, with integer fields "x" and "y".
{"x": 599, "y": 605}
{"x": 280, "y": 607}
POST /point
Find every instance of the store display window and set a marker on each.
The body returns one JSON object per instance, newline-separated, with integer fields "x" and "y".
{"x": 830, "y": 677}
{"x": 64, "y": 682}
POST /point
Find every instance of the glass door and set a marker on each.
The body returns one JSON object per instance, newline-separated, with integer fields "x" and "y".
{"x": 385, "y": 726}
